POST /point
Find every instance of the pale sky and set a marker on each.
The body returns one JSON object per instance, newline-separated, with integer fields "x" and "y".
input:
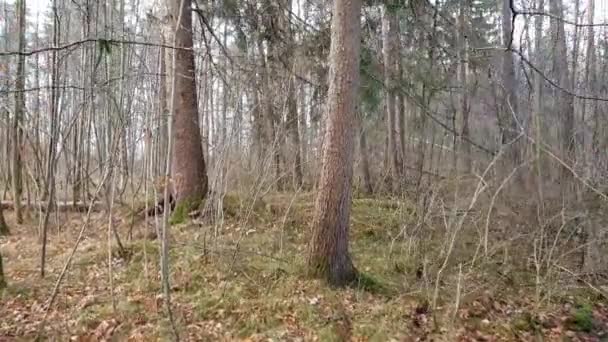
{"x": 35, "y": 6}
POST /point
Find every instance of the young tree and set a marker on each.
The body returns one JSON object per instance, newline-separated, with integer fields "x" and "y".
{"x": 390, "y": 46}
{"x": 328, "y": 250}
{"x": 508, "y": 121}
{"x": 463, "y": 71}
{"x": 189, "y": 170}
{"x": 19, "y": 113}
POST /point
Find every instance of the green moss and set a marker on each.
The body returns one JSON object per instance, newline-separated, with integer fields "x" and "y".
{"x": 526, "y": 322}
{"x": 182, "y": 209}
{"x": 583, "y": 318}
{"x": 370, "y": 284}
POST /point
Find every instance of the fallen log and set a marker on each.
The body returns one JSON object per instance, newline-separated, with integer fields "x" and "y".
{"x": 79, "y": 207}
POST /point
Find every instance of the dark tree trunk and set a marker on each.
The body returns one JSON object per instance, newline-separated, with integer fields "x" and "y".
{"x": 365, "y": 172}
{"x": 3, "y": 231}
{"x": 507, "y": 121}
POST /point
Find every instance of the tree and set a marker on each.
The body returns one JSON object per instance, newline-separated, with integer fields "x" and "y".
{"x": 328, "y": 250}
{"x": 2, "y": 281}
{"x": 507, "y": 117}
{"x": 591, "y": 78}
{"x": 189, "y": 170}
{"x": 463, "y": 67}
{"x": 565, "y": 102}
{"x": 390, "y": 47}
{"x": 18, "y": 119}
{"x": 3, "y": 228}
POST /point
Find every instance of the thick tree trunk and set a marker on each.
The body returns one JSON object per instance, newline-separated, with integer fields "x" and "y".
{"x": 328, "y": 250}
{"x": 189, "y": 171}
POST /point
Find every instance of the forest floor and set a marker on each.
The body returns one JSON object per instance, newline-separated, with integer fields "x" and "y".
{"x": 245, "y": 280}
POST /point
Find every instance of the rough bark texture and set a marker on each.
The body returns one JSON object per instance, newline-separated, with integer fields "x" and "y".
{"x": 189, "y": 171}
{"x": 328, "y": 250}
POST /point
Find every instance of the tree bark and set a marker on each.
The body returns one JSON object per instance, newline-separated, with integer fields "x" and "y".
{"x": 591, "y": 79}
{"x": 18, "y": 119}
{"x": 565, "y": 100}
{"x": 4, "y": 230}
{"x": 365, "y": 171}
{"x": 463, "y": 47}
{"x": 390, "y": 53}
{"x": 189, "y": 171}
{"x": 2, "y": 280}
{"x": 508, "y": 121}
{"x": 328, "y": 250}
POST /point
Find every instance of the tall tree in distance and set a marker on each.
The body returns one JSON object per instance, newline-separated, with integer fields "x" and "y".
{"x": 390, "y": 46}
{"x": 189, "y": 170}
{"x": 591, "y": 78}
{"x": 565, "y": 101}
{"x": 328, "y": 250}
{"x": 18, "y": 119}
{"x": 507, "y": 117}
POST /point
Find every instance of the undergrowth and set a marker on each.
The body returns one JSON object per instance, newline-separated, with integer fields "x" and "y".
{"x": 246, "y": 279}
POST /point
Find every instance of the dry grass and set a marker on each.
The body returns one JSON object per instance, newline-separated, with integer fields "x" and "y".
{"x": 247, "y": 282}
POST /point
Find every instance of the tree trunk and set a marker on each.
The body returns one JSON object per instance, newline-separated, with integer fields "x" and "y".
{"x": 4, "y": 230}
{"x": 2, "y": 280}
{"x": 508, "y": 121}
{"x": 390, "y": 53}
{"x": 538, "y": 104}
{"x": 328, "y": 250}
{"x": 465, "y": 147}
{"x": 565, "y": 100}
{"x": 18, "y": 119}
{"x": 292, "y": 102}
{"x": 189, "y": 171}
{"x": 591, "y": 77}
{"x": 163, "y": 138}
{"x": 365, "y": 172}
